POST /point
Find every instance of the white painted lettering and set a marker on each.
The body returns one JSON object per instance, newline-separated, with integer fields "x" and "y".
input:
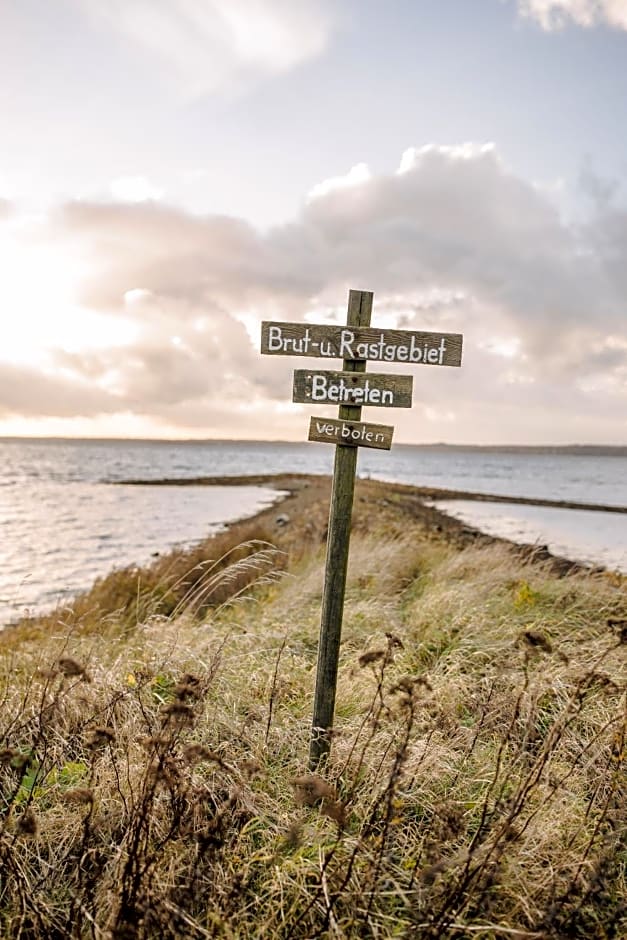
{"x": 318, "y": 387}
{"x": 275, "y": 339}
{"x": 387, "y": 397}
{"x": 415, "y": 352}
{"x": 347, "y": 338}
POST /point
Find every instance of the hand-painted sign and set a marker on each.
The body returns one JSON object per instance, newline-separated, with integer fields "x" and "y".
{"x": 352, "y": 388}
{"x": 353, "y": 433}
{"x": 340, "y": 342}
{"x": 355, "y": 343}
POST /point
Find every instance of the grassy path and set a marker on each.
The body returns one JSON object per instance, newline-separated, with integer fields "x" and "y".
{"x": 154, "y": 741}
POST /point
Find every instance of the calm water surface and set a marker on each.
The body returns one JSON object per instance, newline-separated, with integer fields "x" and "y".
{"x": 62, "y": 525}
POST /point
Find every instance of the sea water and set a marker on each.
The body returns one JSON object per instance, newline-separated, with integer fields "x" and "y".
{"x": 62, "y": 523}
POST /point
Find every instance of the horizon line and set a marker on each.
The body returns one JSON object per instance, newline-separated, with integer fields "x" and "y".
{"x": 225, "y": 440}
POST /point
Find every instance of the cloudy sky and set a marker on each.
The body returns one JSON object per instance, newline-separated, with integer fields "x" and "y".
{"x": 174, "y": 171}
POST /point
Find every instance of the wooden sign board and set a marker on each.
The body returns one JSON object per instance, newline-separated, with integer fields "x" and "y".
{"x": 353, "y": 433}
{"x": 361, "y": 343}
{"x": 352, "y": 388}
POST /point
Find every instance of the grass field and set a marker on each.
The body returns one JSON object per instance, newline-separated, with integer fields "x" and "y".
{"x": 154, "y": 741}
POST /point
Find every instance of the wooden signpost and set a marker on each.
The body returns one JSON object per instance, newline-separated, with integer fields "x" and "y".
{"x": 350, "y": 388}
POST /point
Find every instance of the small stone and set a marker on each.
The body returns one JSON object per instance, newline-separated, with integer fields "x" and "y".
{"x": 283, "y": 519}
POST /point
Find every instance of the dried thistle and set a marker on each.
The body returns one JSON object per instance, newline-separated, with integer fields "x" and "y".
{"x": 99, "y": 737}
{"x": 8, "y": 755}
{"x": 196, "y": 753}
{"x": 293, "y": 835}
{"x": 311, "y": 789}
{"x": 537, "y": 640}
{"x": 47, "y": 674}
{"x": 408, "y": 685}
{"x": 189, "y": 679}
{"x": 372, "y": 656}
{"x": 619, "y": 627}
{"x": 178, "y": 712}
{"x": 27, "y": 824}
{"x": 155, "y": 741}
{"x": 184, "y": 690}
{"x": 17, "y": 760}
{"x": 79, "y": 795}
{"x": 251, "y": 767}
{"x": 71, "y": 667}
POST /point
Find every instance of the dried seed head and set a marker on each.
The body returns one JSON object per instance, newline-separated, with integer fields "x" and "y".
{"x": 27, "y": 824}
{"x": 251, "y": 767}
{"x": 155, "y": 741}
{"x": 311, "y": 789}
{"x": 166, "y": 771}
{"x": 293, "y": 835}
{"x": 619, "y": 627}
{"x": 71, "y": 667}
{"x": 8, "y": 755}
{"x": 183, "y": 691}
{"x": 47, "y": 673}
{"x": 196, "y": 753}
{"x": 372, "y": 656}
{"x": 189, "y": 679}
{"x": 79, "y": 795}
{"x": 335, "y": 810}
{"x": 537, "y": 640}
{"x": 19, "y": 761}
{"x": 178, "y": 712}
{"x": 99, "y": 737}
{"x": 428, "y": 875}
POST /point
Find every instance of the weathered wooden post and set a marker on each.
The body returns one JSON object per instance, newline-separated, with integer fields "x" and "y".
{"x": 338, "y": 540}
{"x": 351, "y": 388}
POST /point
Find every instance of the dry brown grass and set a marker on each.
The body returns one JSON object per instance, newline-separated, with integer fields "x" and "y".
{"x": 155, "y": 784}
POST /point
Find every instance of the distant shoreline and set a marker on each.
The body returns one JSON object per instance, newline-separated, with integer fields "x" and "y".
{"x": 574, "y": 450}
{"x": 423, "y": 492}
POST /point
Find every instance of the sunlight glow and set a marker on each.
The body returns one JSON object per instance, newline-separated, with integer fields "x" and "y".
{"x": 39, "y": 307}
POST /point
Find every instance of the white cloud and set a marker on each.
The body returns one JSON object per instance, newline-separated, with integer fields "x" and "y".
{"x": 356, "y": 175}
{"x": 553, "y": 14}
{"x": 456, "y": 242}
{"x": 134, "y": 189}
{"x": 205, "y": 44}
{"x": 468, "y": 151}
